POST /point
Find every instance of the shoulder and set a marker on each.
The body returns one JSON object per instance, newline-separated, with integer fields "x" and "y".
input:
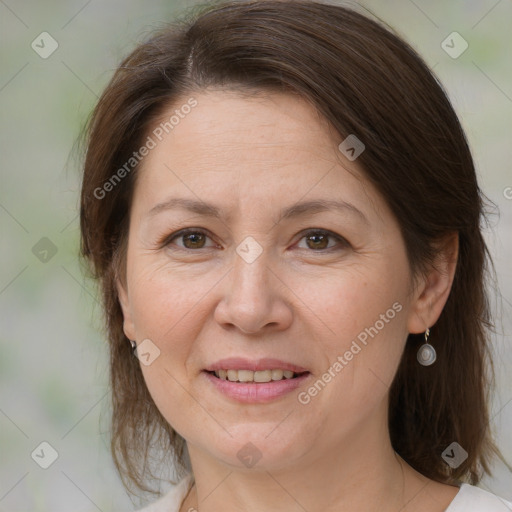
{"x": 473, "y": 499}
{"x": 171, "y": 502}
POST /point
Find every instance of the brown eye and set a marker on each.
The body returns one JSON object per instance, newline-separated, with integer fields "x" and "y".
{"x": 190, "y": 239}
{"x": 318, "y": 240}
{"x": 194, "y": 240}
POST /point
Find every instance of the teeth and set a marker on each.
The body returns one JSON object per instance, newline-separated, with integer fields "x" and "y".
{"x": 277, "y": 374}
{"x": 245, "y": 376}
{"x": 250, "y": 376}
{"x": 263, "y": 376}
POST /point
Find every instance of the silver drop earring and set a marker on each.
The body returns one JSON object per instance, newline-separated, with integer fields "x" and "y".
{"x": 134, "y": 345}
{"x": 426, "y": 353}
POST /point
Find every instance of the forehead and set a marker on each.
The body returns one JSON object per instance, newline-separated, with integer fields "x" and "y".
{"x": 266, "y": 147}
{"x": 248, "y": 125}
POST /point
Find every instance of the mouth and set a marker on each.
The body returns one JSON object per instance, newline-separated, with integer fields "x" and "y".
{"x": 258, "y": 381}
{"x": 256, "y": 377}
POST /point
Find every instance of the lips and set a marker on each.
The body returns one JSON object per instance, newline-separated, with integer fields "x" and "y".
{"x": 253, "y": 381}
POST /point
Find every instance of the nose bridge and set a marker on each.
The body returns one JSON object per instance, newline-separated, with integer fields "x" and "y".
{"x": 251, "y": 299}
{"x": 250, "y": 274}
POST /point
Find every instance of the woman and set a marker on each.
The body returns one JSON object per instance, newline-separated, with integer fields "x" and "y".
{"x": 281, "y": 208}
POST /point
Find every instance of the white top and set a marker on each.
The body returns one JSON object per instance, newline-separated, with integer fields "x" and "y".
{"x": 468, "y": 499}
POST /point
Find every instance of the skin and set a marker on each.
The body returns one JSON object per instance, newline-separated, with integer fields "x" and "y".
{"x": 298, "y": 301}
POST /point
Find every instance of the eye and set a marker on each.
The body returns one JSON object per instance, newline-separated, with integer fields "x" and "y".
{"x": 318, "y": 240}
{"x": 191, "y": 238}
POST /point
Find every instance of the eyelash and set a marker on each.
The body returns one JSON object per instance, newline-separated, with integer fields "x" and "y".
{"x": 343, "y": 243}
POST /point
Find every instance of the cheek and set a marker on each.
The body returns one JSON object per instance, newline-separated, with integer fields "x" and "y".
{"x": 166, "y": 300}
{"x": 364, "y": 312}
{"x": 167, "y": 309}
{"x": 356, "y": 300}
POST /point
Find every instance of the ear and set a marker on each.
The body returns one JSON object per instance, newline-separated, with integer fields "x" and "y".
{"x": 432, "y": 292}
{"x": 128, "y": 324}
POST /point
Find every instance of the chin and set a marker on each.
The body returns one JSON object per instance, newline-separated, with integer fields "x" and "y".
{"x": 256, "y": 447}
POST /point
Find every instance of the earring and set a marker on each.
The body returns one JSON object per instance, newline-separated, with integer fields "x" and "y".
{"x": 134, "y": 345}
{"x": 427, "y": 353}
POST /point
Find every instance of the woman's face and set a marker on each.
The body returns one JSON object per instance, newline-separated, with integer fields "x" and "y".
{"x": 264, "y": 283}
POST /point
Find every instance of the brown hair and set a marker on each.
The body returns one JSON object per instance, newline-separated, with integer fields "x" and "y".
{"x": 364, "y": 80}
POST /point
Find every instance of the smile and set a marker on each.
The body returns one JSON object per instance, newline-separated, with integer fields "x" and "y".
{"x": 255, "y": 376}
{"x": 254, "y": 380}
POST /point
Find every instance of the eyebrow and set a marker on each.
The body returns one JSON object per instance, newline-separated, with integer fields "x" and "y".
{"x": 295, "y": 210}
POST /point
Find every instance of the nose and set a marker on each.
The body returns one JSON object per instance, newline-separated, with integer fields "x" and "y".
{"x": 254, "y": 298}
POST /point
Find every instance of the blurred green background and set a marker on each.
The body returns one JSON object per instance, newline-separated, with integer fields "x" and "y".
{"x": 54, "y": 362}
